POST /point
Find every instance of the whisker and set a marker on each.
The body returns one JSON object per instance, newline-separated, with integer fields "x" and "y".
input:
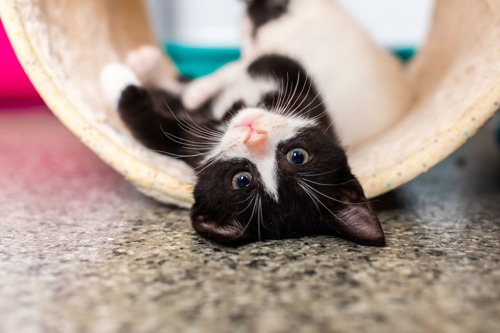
{"x": 247, "y": 199}
{"x": 290, "y": 99}
{"x": 329, "y": 126}
{"x": 319, "y": 115}
{"x": 200, "y": 130}
{"x": 324, "y": 206}
{"x": 210, "y": 141}
{"x": 308, "y": 105}
{"x": 317, "y": 174}
{"x": 284, "y": 92}
{"x": 294, "y": 106}
{"x": 254, "y": 200}
{"x": 213, "y": 160}
{"x": 279, "y": 94}
{"x": 323, "y": 184}
{"x": 177, "y": 155}
{"x": 186, "y": 142}
{"x": 331, "y": 198}
{"x": 190, "y": 129}
{"x": 199, "y": 126}
{"x": 307, "y": 94}
{"x": 169, "y": 109}
{"x": 260, "y": 217}
{"x": 311, "y": 195}
{"x": 196, "y": 133}
{"x": 197, "y": 148}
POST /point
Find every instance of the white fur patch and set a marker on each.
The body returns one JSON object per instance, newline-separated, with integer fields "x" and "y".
{"x": 201, "y": 90}
{"x": 278, "y": 129}
{"x": 114, "y": 79}
{"x": 233, "y": 83}
{"x": 267, "y": 168}
{"x": 246, "y": 89}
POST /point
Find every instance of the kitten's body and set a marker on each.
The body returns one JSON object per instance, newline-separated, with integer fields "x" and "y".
{"x": 259, "y": 134}
{"x": 364, "y": 88}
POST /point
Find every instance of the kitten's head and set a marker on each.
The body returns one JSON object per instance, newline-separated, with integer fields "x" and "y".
{"x": 275, "y": 176}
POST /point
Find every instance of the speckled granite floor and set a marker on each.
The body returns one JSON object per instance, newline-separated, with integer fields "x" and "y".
{"x": 82, "y": 251}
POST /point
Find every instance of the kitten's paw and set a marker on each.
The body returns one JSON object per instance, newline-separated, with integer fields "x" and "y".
{"x": 146, "y": 62}
{"x": 114, "y": 79}
{"x": 199, "y": 92}
{"x": 134, "y": 99}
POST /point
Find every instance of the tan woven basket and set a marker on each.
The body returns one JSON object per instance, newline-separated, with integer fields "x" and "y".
{"x": 63, "y": 44}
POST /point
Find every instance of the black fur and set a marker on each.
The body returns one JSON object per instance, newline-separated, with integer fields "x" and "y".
{"x": 299, "y": 89}
{"x": 230, "y": 216}
{"x": 264, "y": 11}
{"x": 296, "y": 214}
{"x": 154, "y": 118}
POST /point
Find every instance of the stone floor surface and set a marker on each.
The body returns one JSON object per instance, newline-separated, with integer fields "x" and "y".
{"x": 82, "y": 251}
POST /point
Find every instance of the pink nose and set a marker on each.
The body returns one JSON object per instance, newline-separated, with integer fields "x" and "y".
{"x": 257, "y": 139}
{"x": 248, "y": 120}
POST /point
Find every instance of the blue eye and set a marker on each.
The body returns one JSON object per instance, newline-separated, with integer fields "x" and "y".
{"x": 298, "y": 156}
{"x": 241, "y": 180}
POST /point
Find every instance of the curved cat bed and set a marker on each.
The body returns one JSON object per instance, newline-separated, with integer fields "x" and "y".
{"x": 63, "y": 45}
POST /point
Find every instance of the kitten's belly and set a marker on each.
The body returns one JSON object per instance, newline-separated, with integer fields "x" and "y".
{"x": 364, "y": 88}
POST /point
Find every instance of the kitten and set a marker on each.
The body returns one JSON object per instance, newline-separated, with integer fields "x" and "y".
{"x": 259, "y": 133}
{"x": 364, "y": 87}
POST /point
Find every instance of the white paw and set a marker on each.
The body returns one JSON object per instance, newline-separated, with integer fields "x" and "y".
{"x": 114, "y": 79}
{"x": 199, "y": 92}
{"x": 146, "y": 62}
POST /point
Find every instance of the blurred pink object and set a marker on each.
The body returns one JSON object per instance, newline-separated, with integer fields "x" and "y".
{"x": 16, "y": 89}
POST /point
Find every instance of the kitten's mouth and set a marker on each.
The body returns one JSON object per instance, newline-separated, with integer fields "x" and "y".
{"x": 257, "y": 141}
{"x": 255, "y": 137}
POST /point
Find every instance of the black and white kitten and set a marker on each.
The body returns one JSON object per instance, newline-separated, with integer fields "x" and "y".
{"x": 260, "y": 135}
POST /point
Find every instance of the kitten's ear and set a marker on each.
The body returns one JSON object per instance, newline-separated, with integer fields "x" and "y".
{"x": 227, "y": 234}
{"x": 356, "y": 219}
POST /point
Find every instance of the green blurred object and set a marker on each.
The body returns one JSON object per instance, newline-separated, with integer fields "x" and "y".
{"x": 194, "y": 62}
{"x": 404, "y": 53}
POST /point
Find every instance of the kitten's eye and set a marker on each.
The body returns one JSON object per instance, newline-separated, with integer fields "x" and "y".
{"x": 298, "y": 156}
{"x": 241, "y": 180}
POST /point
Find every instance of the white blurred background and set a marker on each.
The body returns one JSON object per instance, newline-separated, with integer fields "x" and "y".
{"x": 215, "y": 23}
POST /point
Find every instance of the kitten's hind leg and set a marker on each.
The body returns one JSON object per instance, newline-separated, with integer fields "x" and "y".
{"x": 137, "y": 110}
{"x": 143, "y": 110}
{"x": 158, "y": 120}
{"x": 151, "y": 115}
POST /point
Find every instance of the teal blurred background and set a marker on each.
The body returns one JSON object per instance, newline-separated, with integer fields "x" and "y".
{"x": 200, "y": 35}
{"x": 194, "y": 62}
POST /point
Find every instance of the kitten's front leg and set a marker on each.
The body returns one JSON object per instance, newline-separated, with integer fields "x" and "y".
{"x": 200, "y": 91}
{"x": 153, "y": 69}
